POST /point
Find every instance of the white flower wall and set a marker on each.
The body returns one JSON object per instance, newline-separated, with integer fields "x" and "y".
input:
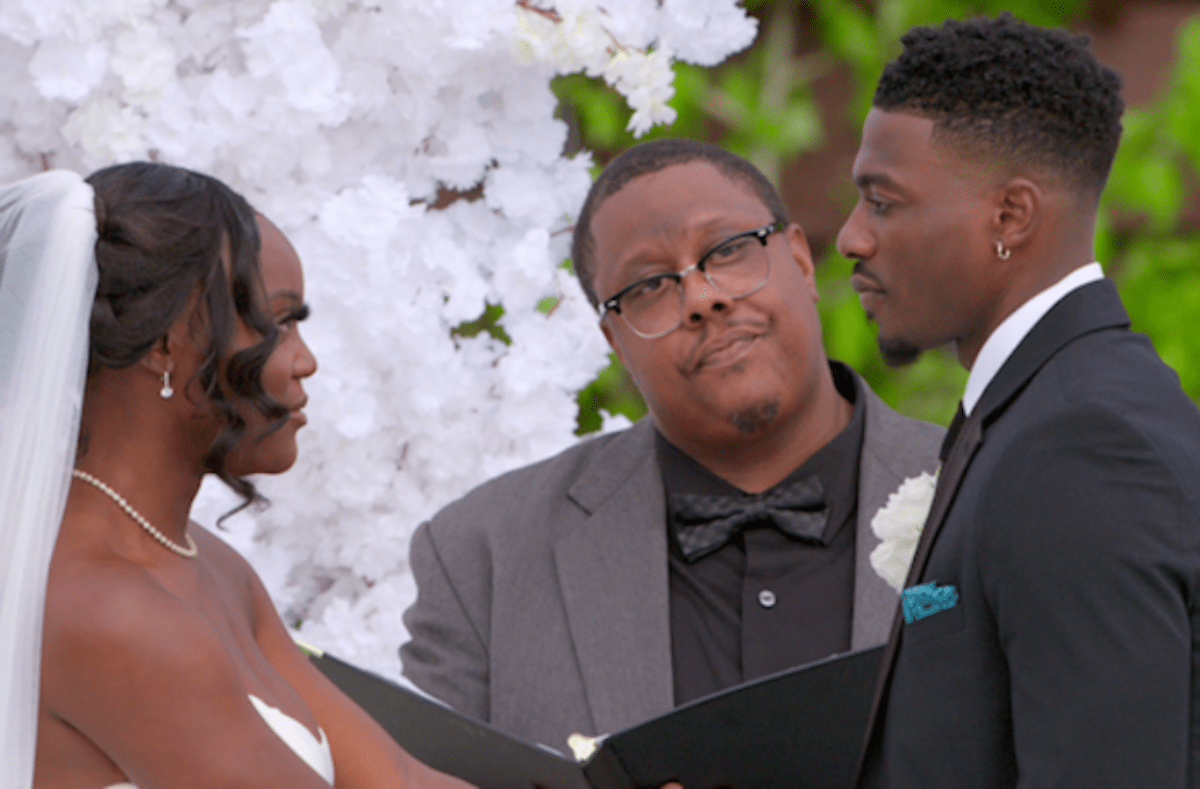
{"x": 344, "y": 121}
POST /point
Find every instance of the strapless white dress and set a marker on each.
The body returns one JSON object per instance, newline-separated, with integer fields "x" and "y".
{"x": 315, "y": 753}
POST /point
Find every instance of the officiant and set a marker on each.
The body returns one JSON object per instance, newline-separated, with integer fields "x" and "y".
{"x": 723, "y": 538}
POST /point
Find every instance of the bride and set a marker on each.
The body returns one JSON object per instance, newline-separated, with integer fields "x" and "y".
{"x": 152, "y": 308}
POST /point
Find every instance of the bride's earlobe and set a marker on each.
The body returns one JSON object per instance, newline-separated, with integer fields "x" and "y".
{"x": 159, "y": 361}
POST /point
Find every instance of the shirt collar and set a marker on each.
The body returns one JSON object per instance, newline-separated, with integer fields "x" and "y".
{"x": 1008, "y": 335}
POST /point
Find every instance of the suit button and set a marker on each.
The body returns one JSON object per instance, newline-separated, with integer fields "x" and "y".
{"x": 766, "y": 598}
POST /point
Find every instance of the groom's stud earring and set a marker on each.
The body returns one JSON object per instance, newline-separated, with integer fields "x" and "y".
{"x": 166, "y": 390}
{"x": 1002, "y": 252}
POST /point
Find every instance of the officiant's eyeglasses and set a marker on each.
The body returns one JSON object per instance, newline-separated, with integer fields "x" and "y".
{"x": 738, "y": 266}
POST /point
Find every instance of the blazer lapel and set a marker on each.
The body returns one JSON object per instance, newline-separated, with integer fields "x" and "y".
{"x": 612, "y": 570}
{"x": 962, "y": 441}
{"x": 884, "y": 452}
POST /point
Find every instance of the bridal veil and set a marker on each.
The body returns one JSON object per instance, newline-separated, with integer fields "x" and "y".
{"x": 47, "y": 285}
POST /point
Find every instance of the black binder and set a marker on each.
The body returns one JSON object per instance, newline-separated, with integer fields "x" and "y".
{"x": 799, "y": 729}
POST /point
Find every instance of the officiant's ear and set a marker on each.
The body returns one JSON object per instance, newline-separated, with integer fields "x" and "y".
{"x": 802, "y": 254}
{"x": 1018, "y": 213}
{"x": 611, "y": 343}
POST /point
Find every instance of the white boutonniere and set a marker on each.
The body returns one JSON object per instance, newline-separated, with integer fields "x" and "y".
{"x": 898, "y": 525}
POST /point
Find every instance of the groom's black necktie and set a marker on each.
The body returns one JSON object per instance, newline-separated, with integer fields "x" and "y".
{"x": 704, "y": 523}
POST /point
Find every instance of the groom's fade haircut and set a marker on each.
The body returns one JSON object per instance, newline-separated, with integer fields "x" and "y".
{"x": 650, "y": 157}
{"x": 1002, "y": 88}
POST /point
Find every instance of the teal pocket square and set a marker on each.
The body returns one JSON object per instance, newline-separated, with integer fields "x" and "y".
{"x": 927, "y": 599}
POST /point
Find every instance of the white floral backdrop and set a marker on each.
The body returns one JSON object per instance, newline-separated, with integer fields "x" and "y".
{"x": 343, "y": 120}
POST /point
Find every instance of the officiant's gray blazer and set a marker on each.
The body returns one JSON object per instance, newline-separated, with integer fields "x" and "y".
{"x": 542, "y": 602}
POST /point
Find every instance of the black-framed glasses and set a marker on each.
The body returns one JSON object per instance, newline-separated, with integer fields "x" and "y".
{"x": 738, "y": 266}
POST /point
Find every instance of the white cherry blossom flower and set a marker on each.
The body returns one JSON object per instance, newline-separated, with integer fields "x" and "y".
{"x": 646, "y": 82}
{"x": 696, "y": 30}
{"x": 145, "y": 62}
{"x": 345, "y": 122}
{"x": 64, "y": 70}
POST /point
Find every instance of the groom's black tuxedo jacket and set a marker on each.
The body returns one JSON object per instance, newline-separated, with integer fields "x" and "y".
{"x": 1073, "y": 543}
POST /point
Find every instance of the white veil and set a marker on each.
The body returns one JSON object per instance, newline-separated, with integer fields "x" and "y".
{"x": 47, "y": 285}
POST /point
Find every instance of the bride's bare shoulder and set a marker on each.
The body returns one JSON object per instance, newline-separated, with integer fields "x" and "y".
{"x": 121, "y": 638}
{"x": 133, "y": 661}
{"x": 221, "y": 557}
{"x": 113, "y": 610}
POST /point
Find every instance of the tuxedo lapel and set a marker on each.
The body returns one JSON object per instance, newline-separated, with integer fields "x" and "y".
{"x": 612, "y": 570}
{"x": 962, "y": 442}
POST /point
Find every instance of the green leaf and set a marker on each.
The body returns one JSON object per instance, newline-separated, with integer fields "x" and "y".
{"x": 1161, "y": 190}
{"x": 1160, "y": 285}
{"x": 1145, "y": 179}
{"x": 848, "y": 31}
{"x": 1183, "y": 104}
{"x": 614, "y": 392}
{"x": 1145, "y": 176}
{"x": 602, "y": 112}
{"x": 488, "y": 322}
{"x": 691, "y": 94}
{"x": 799, "y": 127}
{"x": 741, "y": 87}
{"x": 1105, "y": 242}
{"x": 1048, "y": 13}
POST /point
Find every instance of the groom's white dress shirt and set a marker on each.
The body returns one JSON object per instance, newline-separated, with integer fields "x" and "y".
{"x": 1008, "y": 335}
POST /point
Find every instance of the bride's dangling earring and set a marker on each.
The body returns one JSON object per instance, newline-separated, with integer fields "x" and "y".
{"x": 1001, "y": 251}
{"x": 166, "y": 390}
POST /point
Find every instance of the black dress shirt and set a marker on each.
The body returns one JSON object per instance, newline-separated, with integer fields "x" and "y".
{"x": 765, "y": 601}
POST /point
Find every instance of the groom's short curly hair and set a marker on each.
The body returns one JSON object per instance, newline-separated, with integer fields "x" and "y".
{"x": 1029, "y": 95}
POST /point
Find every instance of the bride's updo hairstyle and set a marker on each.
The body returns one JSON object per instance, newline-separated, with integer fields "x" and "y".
{"x": 166, "y": 235}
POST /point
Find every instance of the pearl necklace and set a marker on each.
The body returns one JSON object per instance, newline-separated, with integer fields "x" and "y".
{"x": 188, "y": 553}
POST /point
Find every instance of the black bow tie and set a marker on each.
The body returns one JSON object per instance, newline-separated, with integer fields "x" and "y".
{"x": 705, "y": 523}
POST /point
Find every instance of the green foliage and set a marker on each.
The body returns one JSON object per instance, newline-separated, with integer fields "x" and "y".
{"x": 612, "y": 391}
{"x": 488, "y": 322}
{"x": 1181, "y": 109}
{"x": 603, "y": 115}
{"x": 1145, "y": 177}
{"x": 868, "y": 42}
{"x": 1160, "y": 284}
{"x": 1157, "y": 266}
{"x": 765, "y": 103}
{"x": 760, "y": 105}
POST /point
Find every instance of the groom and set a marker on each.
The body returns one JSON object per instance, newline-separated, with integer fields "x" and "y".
{"x": 1049, "y": 630}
